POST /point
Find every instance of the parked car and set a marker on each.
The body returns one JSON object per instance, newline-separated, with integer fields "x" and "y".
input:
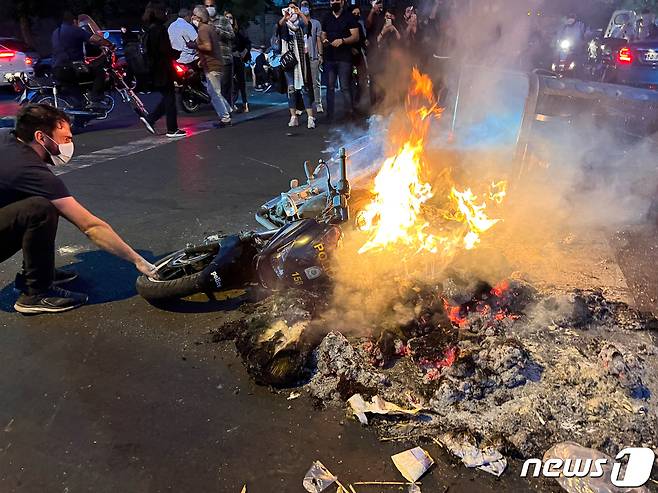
{"x": 636, "y": 64}
{"x": 16, "y": 56}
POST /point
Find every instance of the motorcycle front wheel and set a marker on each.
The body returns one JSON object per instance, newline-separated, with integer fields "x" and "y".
{"x": 179, "y": 274}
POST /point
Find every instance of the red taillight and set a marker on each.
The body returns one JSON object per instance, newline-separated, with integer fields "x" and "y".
{"x": 180, "y": 69}
{"x": 625, "y": 56}
{"x": 7, "y": 55}
{"x": 28, "y": 60}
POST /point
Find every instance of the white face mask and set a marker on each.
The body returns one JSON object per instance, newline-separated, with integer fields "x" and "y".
{"x": 211, "y": 11}
{"x": 195, "y": 22}
{"x": 65, "y": 152}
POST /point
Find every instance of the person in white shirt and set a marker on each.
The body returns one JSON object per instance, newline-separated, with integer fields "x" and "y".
{"x": 180, "y": 32}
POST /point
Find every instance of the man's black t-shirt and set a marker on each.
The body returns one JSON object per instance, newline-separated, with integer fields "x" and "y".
{"x": 67, "y": 41}
{"x": 337, "y": 28}
{"x": 23, "y": 174}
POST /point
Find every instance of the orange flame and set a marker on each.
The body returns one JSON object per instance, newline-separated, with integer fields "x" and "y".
{"x": 395, "y": 214}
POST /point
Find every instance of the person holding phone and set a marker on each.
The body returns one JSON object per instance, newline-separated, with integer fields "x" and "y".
{"x": 340, "y": 31}
{"x": 181, "y": 31}
{"x": 291, "y": 29}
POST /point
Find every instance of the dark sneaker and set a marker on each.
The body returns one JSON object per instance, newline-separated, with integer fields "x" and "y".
{"x": 54, "y": 300}
{"x": 64, "y": 276}
{"x": 177, "y": 134}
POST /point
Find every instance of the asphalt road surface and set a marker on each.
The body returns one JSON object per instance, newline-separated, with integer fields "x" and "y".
{"x": 120, "y": 396}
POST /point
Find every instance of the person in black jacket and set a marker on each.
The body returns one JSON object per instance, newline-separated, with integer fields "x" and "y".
{"x": 241, "y": 54}
{"x": 161, "y": 59}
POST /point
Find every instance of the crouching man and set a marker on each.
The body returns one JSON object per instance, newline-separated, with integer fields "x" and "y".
{"x": 31, "y": 200}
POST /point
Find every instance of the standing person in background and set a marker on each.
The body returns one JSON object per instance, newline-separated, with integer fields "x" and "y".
{"x": 340, "y": 31}
{"x": 180, "y": 32}
{"x": 225, "y": 37}
{"x": 291, "y": 31}
{"x": 208, "y": 49}
{"x": 411, "y": 27}
{"x": 359, "y": 59}
{"x": 161, "y": 57}
{"x": 314, "y": 48}
{"x": 374, "y": 25}
{"x": 241, "y": 55}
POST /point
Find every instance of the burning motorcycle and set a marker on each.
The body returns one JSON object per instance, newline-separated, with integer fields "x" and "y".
{"x": 298, "y": 254}
{"x": 46, "y": 90}
{"x": 190, "y": 82}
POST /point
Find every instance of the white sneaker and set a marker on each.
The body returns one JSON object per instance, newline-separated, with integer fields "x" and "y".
{"x": 294, "y": 121}
{"x": 311, "y": 122}
{"x": 319, "y": 108}
{"x": 299, "y": 112}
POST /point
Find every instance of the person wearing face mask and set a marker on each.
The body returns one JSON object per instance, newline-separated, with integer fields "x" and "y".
{"x": 340, "y": 31}
{"x": 225, "y": 40}
{"x": 211, "y": 63}
{"x": 314, "y": 49}
{"x": 291, "y": 30}
{"x": 32, "y": 199}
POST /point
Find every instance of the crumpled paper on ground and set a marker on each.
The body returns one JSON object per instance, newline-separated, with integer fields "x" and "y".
{"x": 377, "y": 405}
{"x": 487, "y": 459}
{"x": 412, "y": 463}
{"x": 318, "y": 478}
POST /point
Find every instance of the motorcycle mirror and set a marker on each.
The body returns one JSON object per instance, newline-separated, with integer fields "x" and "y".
{"x": 307, "y": 171}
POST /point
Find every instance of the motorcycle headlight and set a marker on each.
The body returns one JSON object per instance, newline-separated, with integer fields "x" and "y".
{"x": 278, "y": 260}
{"x": 565, "y": 44}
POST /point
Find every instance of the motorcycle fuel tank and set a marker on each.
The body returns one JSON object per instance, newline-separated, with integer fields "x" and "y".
{"x": 299, "y": 255}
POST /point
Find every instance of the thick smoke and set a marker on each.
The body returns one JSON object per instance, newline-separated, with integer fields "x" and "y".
{"x": 580, "y": 181}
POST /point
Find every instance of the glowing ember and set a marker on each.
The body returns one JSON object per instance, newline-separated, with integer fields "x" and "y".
{"x": 394, "y": 217}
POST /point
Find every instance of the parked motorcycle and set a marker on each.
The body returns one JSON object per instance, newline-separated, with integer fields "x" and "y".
{"x": 567, "y": 59}
{"x": 77, "y": 104}
{"x": 190, "y": 82}
{"x": 297, "y": 254}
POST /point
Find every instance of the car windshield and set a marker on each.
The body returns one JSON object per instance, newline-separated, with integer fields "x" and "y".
{"x": 15, "y": 45}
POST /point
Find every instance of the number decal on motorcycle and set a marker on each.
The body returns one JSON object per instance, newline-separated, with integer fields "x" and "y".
{"x": 297, "y": 278}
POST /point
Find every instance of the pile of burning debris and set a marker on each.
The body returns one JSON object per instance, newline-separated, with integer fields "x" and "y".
{"x": 506, "y": 366}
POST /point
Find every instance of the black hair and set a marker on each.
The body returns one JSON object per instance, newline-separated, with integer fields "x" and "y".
{"x": 68, "y": 17}
{"x": 41, "y": 117}
{"x": 155, "y": 13}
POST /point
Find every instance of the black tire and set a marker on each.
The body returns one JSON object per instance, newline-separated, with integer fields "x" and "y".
{"x": 185, "y": 285}
{"x": 189, "y": 103}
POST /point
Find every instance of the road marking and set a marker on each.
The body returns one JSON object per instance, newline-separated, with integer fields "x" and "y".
{"x": 153, "y": 141}
{"x": 266, "y": 164}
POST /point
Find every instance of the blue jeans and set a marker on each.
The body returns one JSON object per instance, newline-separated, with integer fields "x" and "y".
{"x": 293, "y": 93}
{"x": 214, "y": 86}
{"x": 342, "y": 71}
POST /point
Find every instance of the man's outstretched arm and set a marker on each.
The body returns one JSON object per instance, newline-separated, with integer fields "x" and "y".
{"x": 100, "y": 233}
